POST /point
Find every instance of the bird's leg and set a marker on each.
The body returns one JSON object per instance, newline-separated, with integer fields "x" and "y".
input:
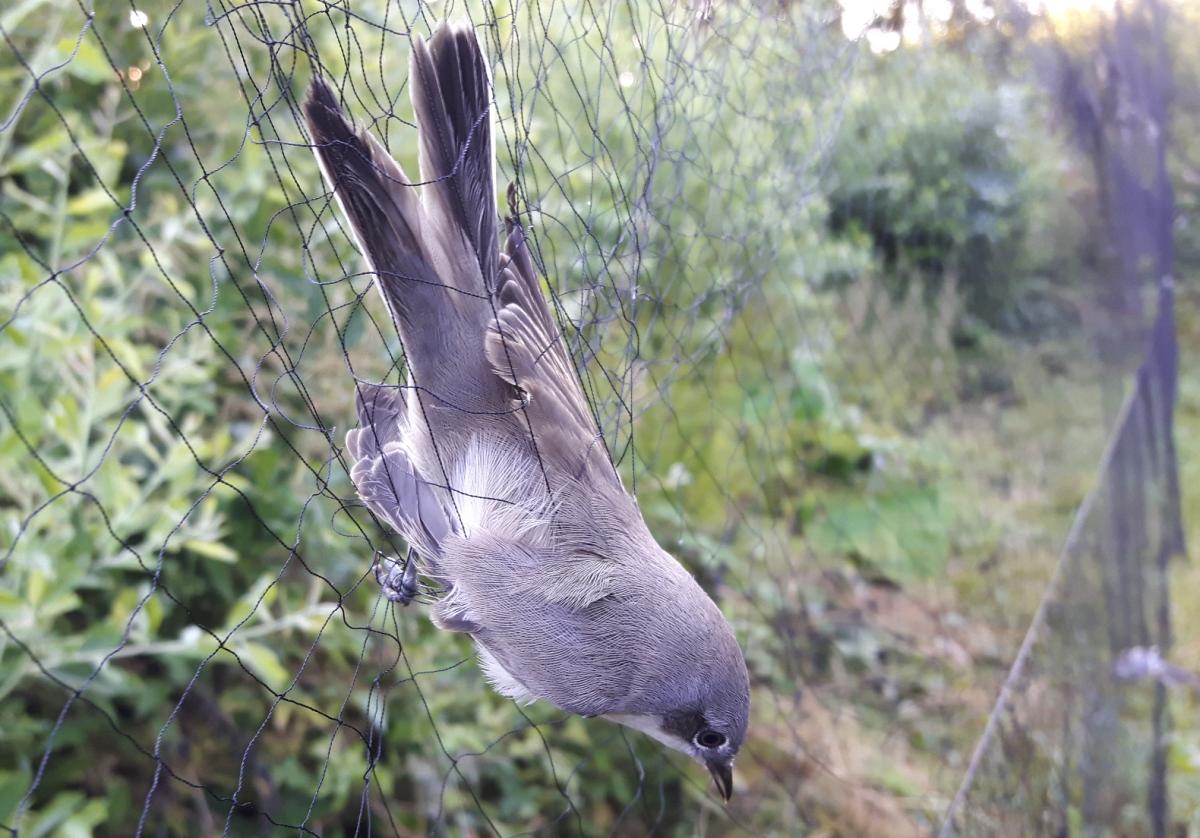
{"x": 399, "y": 582}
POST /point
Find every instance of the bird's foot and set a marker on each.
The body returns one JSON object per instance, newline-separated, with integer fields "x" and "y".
{"x": 398, "y": 580}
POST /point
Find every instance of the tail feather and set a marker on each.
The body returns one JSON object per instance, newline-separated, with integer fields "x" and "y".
{"x": 451, "y": 93}
{"x": 378, "y": 201}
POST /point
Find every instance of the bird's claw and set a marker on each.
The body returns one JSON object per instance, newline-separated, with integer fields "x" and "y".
{"x": 398, "y": 581}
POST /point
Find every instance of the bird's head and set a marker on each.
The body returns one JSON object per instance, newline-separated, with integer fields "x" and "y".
{"x": 702, "y": 706}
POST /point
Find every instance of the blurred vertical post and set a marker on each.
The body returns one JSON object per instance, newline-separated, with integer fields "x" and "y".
{"x": 1122, "y": 118}
{"x": 1078, "y": 737}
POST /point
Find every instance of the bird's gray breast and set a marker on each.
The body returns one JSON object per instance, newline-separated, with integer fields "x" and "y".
{"x": 616, "y": 654}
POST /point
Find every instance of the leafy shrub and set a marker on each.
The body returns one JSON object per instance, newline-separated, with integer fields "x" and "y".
{"x": 931, "y": 170}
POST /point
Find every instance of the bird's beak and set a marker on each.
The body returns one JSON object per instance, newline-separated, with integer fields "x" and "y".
{"x": 722, "y": 774}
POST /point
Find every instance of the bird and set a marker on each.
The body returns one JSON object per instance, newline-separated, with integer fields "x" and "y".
{"x": 489, "y": 462}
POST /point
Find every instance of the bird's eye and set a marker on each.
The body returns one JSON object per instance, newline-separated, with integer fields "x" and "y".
{"x": 709, "y": 739}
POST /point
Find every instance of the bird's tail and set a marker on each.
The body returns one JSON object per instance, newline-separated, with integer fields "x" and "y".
{"x": 379, "y": 203}
{"x": 435, "y": 254}
{"x": 452, "y": 95}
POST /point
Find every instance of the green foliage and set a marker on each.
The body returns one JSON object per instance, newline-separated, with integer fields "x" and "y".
{"x": 171, "y": 494}
{"x": 936, "y": 171}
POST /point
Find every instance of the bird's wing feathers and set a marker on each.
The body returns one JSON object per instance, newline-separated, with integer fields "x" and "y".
{"x": 526, "y": 350}
{"x": 578, "y": 580}
{"x": 385, "y": 477}
{"x": 381, "y": 419}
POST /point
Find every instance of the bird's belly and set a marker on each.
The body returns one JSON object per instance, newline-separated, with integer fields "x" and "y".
{"x": 502, "y": 681}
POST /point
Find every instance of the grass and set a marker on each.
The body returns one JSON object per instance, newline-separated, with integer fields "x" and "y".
{"x": 932, "y": 599}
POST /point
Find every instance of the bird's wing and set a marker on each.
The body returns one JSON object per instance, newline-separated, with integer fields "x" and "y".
{"x": 385, "y": 477}
{"x": 578, "y": 580}
{"x": 527, "y": 351}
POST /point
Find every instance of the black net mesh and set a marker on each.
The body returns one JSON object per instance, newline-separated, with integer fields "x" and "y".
{"x": 766, "y": 315}
{"x": 1079, "y": 735}
{"x": 1079, "y": 739}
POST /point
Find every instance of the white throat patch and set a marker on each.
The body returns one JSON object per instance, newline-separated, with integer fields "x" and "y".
{"x": 649, "y": 725}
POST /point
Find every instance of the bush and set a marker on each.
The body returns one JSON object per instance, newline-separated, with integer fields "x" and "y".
{"x": 931, "y": 171}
